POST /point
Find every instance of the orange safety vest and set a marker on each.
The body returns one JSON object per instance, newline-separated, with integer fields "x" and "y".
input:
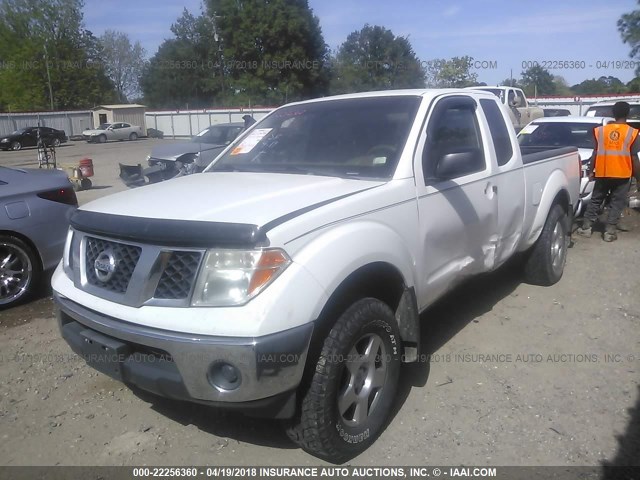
{"x": 613, "y": 154}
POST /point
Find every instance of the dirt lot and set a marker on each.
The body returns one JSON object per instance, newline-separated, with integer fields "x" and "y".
{"x": 519, "y": 375}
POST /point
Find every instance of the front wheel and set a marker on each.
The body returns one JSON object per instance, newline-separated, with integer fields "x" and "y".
{"x": 56, "y": 142}
{"x": 350, "y": 396}
{"x": 546, "y": 260}
{"x": 102, "y": 139}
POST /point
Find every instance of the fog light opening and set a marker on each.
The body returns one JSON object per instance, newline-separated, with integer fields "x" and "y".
{"x": 224, "y": 376}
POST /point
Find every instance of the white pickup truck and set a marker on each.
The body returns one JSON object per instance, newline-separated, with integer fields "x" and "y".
{"x": 521, "y": 112}
{"x": 293, "y": 283}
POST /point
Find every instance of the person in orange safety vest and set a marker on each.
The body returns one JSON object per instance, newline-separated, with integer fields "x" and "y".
{"x": 612, "y": 164}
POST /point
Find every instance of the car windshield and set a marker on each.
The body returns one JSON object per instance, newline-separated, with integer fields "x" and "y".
{"x": 607, "y": 111}
{"x": 361, "y": 137}
{"x": 103, "y": 126}
{"x": 558, "y": 134}
{"x": 215, "y": 135}
{"x": 20, "y": 131}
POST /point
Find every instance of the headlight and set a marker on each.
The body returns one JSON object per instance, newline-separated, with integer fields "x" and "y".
{"x": 233, "y": 277}
{"x": 67, "y": 255}
{"x": 4, "y": 140}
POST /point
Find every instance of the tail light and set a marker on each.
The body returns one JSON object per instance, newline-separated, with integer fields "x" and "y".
{"x": 61, "y": 195}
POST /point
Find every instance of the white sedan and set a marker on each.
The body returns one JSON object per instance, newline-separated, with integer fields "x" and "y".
{"x": 112, "y": 131}
{"x": 570, "y": 131}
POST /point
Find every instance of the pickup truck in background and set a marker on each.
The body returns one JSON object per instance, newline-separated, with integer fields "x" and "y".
{"x": 520, "y": 111}
{"x": 293, "y": 284}
{"x": 605, "y": 109}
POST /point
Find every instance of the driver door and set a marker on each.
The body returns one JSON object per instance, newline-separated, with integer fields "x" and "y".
{"x": 457, "y": 204}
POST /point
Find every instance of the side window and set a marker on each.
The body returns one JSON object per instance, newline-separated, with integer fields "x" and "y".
{"x": 454, "y": 143}
{"x": 499, "y": 131}
{"x": 511, "y": 98}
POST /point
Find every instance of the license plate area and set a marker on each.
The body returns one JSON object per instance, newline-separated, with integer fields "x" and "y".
{"x": 105, "y": 354}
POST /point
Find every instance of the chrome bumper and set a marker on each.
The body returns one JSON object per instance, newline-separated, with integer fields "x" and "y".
{"x": 179, "y": 365}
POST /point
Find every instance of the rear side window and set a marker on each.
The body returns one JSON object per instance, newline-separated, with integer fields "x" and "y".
{"x": 499, "y": 132}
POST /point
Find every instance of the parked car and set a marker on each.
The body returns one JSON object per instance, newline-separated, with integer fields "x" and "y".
{"x": 556, "y": 112}
{"x": 182, "y": 158}
{"x": 521, "y": 112}
{"x": 35, "y": 207}
{"x": 112, "y": 131}
{"x": 28, "y": 137}
{"x": 288, "y": 278}
{"x": 604, "y": 109}
{"x": 570, "y": 131}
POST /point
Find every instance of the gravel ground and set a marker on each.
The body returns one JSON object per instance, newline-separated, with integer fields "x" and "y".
{"x": 519, "y": 375}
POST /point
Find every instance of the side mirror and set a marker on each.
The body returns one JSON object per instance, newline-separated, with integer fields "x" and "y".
{"x": 458, "y": 164}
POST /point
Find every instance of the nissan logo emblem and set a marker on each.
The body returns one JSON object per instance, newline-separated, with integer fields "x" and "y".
{"x": 105, "y": 265}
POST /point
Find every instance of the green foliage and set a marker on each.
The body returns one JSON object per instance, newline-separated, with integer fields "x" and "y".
{"x": 48, "y": 58}
{"x": 634, "y": 85}
{"x": 272, "y": 51}
{"x": 186, "y": 70}
{"x": 511, "y": 82}
{"x": 375, "y": 59}
{"x": 629, "y": 28}
{"x": 123, "y": 63}
{"x": 603, "y": 85}
{"x": 538, "y": 81}
{"x": 453, "y": 73}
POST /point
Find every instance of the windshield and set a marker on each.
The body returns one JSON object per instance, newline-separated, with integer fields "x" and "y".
{"x": 607, "y": 111}
{"x": 103, "y": 126}
{"x": 215, "y": 135}
{"x": 361, "y": 137}
{"x": 20, "y": 131}
{"x": 558, "y": 135}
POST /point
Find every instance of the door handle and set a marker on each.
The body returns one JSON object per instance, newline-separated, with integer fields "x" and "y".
{"x": 490, "y": 188}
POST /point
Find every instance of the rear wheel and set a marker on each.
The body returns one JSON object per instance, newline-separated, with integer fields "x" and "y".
{"x": 133, "y": 137}
{"x": 56, "y": 142}
{"x": 546, "y": 260}
{"x": 19, "y": 270}
{"x": 354, "y": 384}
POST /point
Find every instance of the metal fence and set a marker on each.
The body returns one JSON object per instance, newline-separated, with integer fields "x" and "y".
{"x": 73, "y": 122}
{"x": 189, "y": 123}
{"x": 172, "y": 123}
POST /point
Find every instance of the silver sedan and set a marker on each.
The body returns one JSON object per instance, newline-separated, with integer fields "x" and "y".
{"x": 35, "y": 207}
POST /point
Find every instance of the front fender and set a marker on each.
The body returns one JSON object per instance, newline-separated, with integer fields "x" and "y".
{"x": 331, "y": 256}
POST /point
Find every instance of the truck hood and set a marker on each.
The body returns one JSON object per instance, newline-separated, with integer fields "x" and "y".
{"x": 229, "y": 197}
{"x": 174, "y": 151}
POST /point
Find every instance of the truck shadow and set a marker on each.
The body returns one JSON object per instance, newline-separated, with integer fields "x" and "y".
{"x": 449, "y": 315}
{"x": 231, "y": 427}
{"x": 628, "y": 454}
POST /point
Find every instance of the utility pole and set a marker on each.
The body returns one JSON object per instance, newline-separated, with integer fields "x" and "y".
{"x": 46, "y": 63}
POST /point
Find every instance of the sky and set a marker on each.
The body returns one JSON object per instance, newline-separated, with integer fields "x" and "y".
{"x": 575, "y": 39}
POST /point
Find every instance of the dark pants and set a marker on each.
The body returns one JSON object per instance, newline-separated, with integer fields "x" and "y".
{"x": 617, "y": 189}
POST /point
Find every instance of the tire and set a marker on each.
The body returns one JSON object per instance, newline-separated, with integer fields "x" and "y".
{"x": 546, "y": 260}
{"x": 133, "y": 137}
{"x": 348, "y": 400}
{"x": 20, "y": 271}
{"x": 15, "y": 146}
{"x": 102, "y": 139}
{"x": 56, "y": 142}
{"x": 85, "y": 184}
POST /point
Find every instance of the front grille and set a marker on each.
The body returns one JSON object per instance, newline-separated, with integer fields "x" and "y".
{"x": 126, "y": 258}
{"x": 178, "y": 275}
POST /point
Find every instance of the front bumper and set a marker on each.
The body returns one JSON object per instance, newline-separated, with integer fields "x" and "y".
{"x": 183, "y": 366}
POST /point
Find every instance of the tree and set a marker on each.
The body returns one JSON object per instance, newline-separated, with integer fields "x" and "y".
{"x": 186, "y": 70}
{"x": 373, "y": 58}
{"x": 561, "y": 86}
{"x": 510, "y": 82}
{"x": 634, "y": 85}
{"x": 123, "y": 62}
{"x": 603, "y": 85}
{"x": 272, "y": 51}
{"x": 453, "y": 73}
{"x": 537, "y": 80}
{"x": 50, "y": 59}
{"x": 629, "y": 28}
